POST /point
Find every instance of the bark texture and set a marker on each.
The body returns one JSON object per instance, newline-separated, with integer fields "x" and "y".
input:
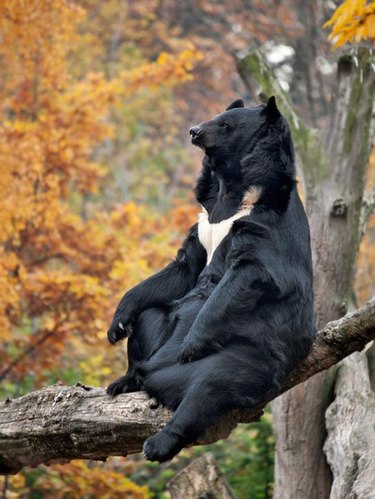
{"x": 202, "y": 479}
{"x": 333, "y": 164}
{"x": 60, "y": 423}
{"x": 350, "y": 423}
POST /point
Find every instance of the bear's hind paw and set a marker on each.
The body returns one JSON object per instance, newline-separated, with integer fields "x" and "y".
{"x": 125, "y": 384}
{"x": 162, "y": 447}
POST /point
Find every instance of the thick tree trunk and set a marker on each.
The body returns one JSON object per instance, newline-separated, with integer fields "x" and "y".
{"x": 201, "y": 479}
{"x": 298, "y": 441}
{"x": 64, "y": 423}
{"x": 350, "y": 422}
{"x": 334, "y": 168}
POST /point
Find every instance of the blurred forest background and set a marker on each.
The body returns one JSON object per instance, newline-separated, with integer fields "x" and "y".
{"x": 96, "y": 173}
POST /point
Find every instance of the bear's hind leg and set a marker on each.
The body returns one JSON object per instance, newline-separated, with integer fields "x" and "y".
{"x": 233, "y": 377}
{"x": 201, "y": 407}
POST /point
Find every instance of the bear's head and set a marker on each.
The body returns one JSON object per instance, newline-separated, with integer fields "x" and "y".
{"x": 246, "y": 146}
{"x": 234, "y": 130}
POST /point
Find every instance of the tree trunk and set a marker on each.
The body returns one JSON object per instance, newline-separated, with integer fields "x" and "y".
{"x": 202, "y": 479}
{"x": 298, "y": 441}
{"x": 60, "y": 423}
{"x": 350, "y": 421}
{"x": 333, "y": 168}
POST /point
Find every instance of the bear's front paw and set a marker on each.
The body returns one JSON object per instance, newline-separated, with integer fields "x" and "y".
{"x": 119, "y": 330}
{"x": 191, "y": 350}
{"x": 126, "y": 314}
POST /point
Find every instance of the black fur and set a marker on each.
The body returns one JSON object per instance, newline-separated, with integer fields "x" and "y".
{"x": 204, "y": 339}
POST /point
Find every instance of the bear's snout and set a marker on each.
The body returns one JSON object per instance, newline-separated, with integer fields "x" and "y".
{"x": 205, "y": 134}
{"x": 194, "y": 131}
{"x": 196, "y": 135}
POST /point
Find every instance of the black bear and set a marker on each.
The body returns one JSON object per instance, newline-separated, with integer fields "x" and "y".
{"x": 222, "y": 325}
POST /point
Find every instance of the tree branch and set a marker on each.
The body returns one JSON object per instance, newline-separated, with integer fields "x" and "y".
{"x": 60, "y": 423}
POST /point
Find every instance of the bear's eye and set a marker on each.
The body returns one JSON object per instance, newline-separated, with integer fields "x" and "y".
{"x": 224, "y": 125}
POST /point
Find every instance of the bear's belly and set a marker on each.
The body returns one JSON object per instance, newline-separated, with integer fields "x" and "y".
{"x": 212, "y": 234}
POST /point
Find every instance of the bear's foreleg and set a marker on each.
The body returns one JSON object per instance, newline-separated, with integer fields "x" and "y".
{"x": 234, "y": 298}
{"x": 170, "y": 283}
{"x": 151, "y": 332}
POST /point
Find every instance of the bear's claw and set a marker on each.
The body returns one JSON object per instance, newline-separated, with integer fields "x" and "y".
{"x": 118, "y": 331}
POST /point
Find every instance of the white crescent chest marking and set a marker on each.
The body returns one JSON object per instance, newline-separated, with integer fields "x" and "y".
{"x": 211, "y": 234}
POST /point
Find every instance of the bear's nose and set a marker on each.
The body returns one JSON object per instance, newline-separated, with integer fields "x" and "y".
{"x": 194, "y": 131}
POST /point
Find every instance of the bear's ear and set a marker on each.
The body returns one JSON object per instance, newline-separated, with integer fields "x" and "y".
{"x": 271, "y": 109}
{"x": 236, "y": 103}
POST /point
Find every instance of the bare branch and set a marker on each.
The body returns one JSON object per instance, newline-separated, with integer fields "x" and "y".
{"x": 368, "y": 208}
{"x": 30, "y": 349}
{"x": 61, "y": 423}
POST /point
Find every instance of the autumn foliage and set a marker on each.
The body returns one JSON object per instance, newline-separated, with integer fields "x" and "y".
{"x": 352, "y": 21}
{"x": 61, "y": 269}
{"x": 64, "y": 261}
